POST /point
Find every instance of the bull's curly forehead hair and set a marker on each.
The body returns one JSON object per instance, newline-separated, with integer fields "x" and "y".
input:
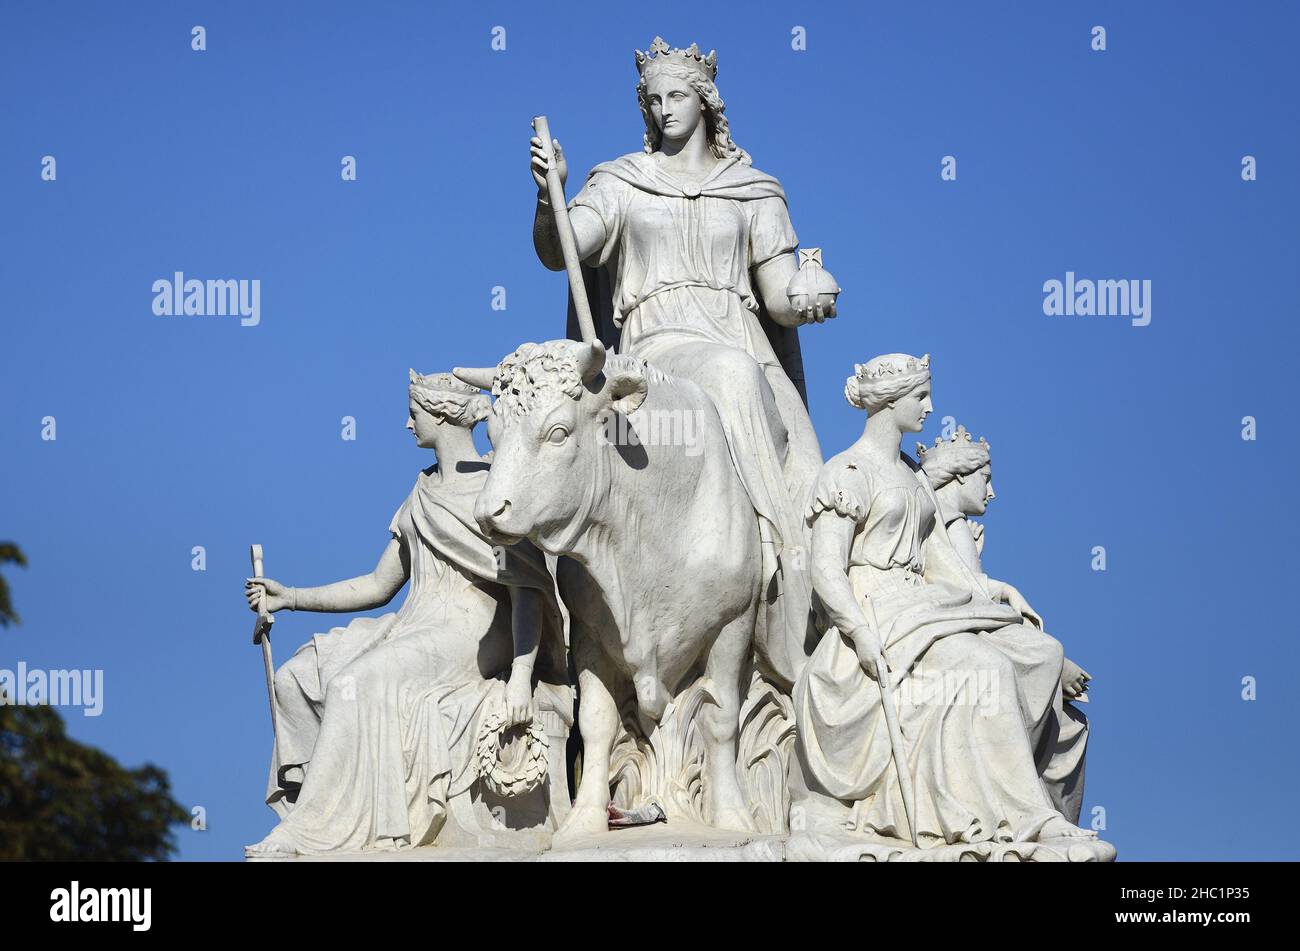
{"x": 539, "y": 373}
{"x": 536, "y": 373}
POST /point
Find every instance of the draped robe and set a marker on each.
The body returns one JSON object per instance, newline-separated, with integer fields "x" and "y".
{"x": 384, "y": 713}
{"x": 671, "y": 283}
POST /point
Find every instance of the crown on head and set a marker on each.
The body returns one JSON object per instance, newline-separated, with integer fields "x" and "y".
{"x": 660, "y": 52}
{"x": 976, "y": 454}
{"x": 868, "y": 373}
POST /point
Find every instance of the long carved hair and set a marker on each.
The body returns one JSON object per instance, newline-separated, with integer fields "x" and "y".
{"x": 715, "y": 119}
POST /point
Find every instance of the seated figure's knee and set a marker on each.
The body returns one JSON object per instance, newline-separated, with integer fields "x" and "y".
{"x": 1056, "y": 652}
{"x": 972, "y": 670}
{"x": 726, "y": 367}
{"x": 990, "y": 660}
{"x": 736, "y": 368}
{"x": 293, "y": 673}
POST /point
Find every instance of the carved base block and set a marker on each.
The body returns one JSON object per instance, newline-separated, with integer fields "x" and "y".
{"x": 821, "y": 847}
{"x": 690, "y": 842}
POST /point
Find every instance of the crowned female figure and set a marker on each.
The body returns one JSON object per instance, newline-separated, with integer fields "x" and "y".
{"x": 379, "y": 721}
{"x": 960, "y": 472}
{"x": 691, "y": 254}
{"x": 888, "y": 578}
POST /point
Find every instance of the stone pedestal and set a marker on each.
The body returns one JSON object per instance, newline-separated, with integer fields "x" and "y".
{"x": 691, "y": 842}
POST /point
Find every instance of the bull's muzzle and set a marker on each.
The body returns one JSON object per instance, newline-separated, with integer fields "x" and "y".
{"x": 492, "y": 514}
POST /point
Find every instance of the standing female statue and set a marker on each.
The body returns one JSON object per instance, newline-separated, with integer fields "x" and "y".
{"x": 379, "y": 720}
{"x": 694, "y": 253}
{"x": 887, "y": 575}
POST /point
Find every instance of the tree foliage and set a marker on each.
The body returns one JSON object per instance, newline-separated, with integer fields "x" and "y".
{"x": 64, "y": 800}
{"x": 9, "y": 555}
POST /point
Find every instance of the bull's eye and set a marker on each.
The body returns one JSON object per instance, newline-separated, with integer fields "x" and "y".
{"x": 557, "y": 435}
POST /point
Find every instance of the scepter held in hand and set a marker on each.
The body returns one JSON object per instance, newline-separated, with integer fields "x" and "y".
{"x": 262, "y": 636}
{"x": 568, "y": 244}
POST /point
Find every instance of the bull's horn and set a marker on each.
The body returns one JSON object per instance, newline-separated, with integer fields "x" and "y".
{"x": 480, "y": 377}
{"x": 591, "y": 360}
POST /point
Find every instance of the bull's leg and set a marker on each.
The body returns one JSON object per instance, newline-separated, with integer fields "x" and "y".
{"x": 598, "y": 723}
{"x": 724, "y": 802}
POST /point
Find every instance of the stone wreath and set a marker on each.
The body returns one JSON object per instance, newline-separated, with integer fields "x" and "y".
{"x": 512, "y": 768}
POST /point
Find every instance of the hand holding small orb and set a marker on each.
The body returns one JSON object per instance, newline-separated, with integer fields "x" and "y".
{"x": 812, "y": 290}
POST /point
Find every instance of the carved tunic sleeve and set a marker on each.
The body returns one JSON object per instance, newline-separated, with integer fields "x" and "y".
{"x": 395, "y": 526}
{"x": 401, "y": 519}
{"x": 771, "y": 232}
{"x": 606, "y": 195}
{"x": 843, "y": 489}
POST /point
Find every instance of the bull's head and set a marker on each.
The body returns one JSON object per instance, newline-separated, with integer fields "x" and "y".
{"x": 551, "y": 459}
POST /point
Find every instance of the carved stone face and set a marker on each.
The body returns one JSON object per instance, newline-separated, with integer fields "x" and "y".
{"x": 549, "y": 462}
{"x": 912, "y": 409}
{"x": 538, "y": 466}
{"x": 423, "y": 424}
{"x": 675, "y": 107}
{"x": 976, "y": 491}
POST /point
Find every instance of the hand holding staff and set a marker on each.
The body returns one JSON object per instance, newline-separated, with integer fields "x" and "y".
{"x": 568, "y": 244}
{"x": 262, "y": 635}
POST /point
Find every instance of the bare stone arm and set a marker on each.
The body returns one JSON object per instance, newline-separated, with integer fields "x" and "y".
{"x": 832, "y": 536}
{"x": 526, "y": 622}
{"x": 361, "y": 593}
{"x": 771, "y": 279}
{"x": 526, "y": 611}
{"x": 588, "y": 229}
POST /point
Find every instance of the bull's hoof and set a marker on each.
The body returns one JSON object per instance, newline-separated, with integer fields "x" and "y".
{"x": 581, "y": 822}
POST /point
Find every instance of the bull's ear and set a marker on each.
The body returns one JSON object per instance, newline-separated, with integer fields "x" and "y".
{"x": 625, "y": 390}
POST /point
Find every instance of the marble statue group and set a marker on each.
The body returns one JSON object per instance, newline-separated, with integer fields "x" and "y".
{"x": 604, "y": 619}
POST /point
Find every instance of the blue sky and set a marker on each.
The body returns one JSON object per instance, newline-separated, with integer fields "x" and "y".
{"x": 177, "y": 432}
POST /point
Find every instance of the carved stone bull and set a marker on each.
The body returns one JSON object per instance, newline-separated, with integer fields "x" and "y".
{"x": 662, "y": 566}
